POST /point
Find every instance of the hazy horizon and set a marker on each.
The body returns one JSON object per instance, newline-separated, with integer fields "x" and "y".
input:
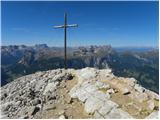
{"x": 83, "y": 45}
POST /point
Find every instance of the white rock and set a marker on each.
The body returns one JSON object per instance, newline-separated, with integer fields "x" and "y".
{"x": 106, "y": 73}
{"x": 97, "y": 115}
{"x": 107, "y": 107}
{"x": 90, "y": 88}
{"x": 57, "y": 77}
{"x": 87, "y": 73}
{"x": 125, "y": 91}
{"x": 118, "y": 114}
{"x": 3, "y": 116}
{"x": 131, "y": 81}
{"x": 101, "y": 95}
{"x": 62, "y": 117}
{"x": 153, "y": 115}
{"x": 50, "y": 87}
{"x": 152, "y": 95}
{"x": 139, "y": 88}
{"x": 39, "y": 85}
{"x": 83, "y": 95}
{"x": 110, "y": 91}
{"x": 6, "y": 105}
{"x": 101, "y": 85}
{"x": 151, "y": 104}
{"x": 18, "y": 103}
{"x": 142, "y": 97}
{"x": 93, "y": 104}
{"x": 61, "y": 112}
{"x": 82, "y": 91}
{"x": 96, "y": 101}
{"x": 49, "y": 107}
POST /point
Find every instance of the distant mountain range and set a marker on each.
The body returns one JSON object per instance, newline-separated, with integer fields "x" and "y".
{"x": 135, "y": 49}
{"x": 140, "y": 63}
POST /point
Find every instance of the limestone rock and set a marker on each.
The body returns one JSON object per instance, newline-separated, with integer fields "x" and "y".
{"x": 61, "y": 117}
{"x": 152, "y": 95}
{"x": 36, "y": 101}
{"x": 110, "y": 91}
{"x": 83, "y": 91}
{"x": 97, "y": 115}
{"x": 153, "y": 115}
{"x": 101, "y": 85}
{"x": 50, "y": 87}
{"x": 139, "y": 88}
{"x": 107, "y": 107}
{"x": 130, "y": 81}
{"x": 151, "y": 104}
{"x": 36, "y": 95}
{"x": 139, "y": 96}
{"x": 49, "y": 107}
{"x": 118, "y": 114}
{"x": 125, "y": 91}
{"x": 87, "y": 74}
{"x": 93, "y": 104}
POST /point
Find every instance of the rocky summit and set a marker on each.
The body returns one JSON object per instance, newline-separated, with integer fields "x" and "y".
{"x": 83, "y": 93}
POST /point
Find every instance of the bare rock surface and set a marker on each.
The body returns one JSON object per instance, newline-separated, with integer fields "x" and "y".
{"x": 83, "y": 93}
{"x": 153, "y": 115}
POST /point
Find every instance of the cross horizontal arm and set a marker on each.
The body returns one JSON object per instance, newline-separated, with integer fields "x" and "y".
{"x": 73, "y": 25}
{"x": 60, "y": 26}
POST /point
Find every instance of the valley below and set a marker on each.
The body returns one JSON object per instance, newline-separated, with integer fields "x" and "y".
{"x": 143, "y": 65}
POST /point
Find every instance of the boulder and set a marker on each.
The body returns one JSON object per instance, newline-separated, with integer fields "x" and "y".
{"x": 49, "y": 107}
{"x": 139, "y": 88}
{"x": 153, "y": 115}
{"x": 86, "y": 74}
{"x": 118, "y": 114}
{"x": 130, "y": 81}
{"x": 35, "y": 109}
{"x": 62, "y": 117}
{"x": 141, "y": 97}
{"x": 30, "y": 110}
{"x": 50, "y": 87}
{"x": 97, "y": 115}
{"x": 151, "y": 104}
{"x": 36, "y": 101}
{"x": 110, "y": 91}
{"x": 125, "y": 91}
{"x": 96, "y": 101}
{"x": 152, "y": 95}
{"x": 107, "y": 107}
{"x": 6, "y": 106}
{"x": 17, "y": 103}
{"x": 4, "y": 116}
{"x": 92, "y": 104}
{"x": 82, "y": 91}
{"x": 102, "y": 85}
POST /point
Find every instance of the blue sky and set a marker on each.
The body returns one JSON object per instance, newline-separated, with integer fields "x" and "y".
{"x": 100, "y": 23}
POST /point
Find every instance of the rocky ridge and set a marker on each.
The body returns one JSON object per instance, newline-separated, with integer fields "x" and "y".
{"x": 83, "y": 93}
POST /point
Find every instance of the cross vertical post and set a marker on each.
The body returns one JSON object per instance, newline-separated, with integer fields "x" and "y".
{"x": 65, "y": 26}
{"x": 65, "y": 41}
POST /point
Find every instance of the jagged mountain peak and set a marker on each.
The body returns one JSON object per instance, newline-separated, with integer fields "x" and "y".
{"x": 83, "y": 93}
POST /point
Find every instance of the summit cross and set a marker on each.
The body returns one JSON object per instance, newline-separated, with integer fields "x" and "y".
{"x": 65, "y": 26}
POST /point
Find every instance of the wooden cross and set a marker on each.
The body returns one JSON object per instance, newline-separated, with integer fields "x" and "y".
{"x": 65, "y": 26}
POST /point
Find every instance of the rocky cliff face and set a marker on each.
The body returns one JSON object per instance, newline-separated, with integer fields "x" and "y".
{"x": 84, "y": 93}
